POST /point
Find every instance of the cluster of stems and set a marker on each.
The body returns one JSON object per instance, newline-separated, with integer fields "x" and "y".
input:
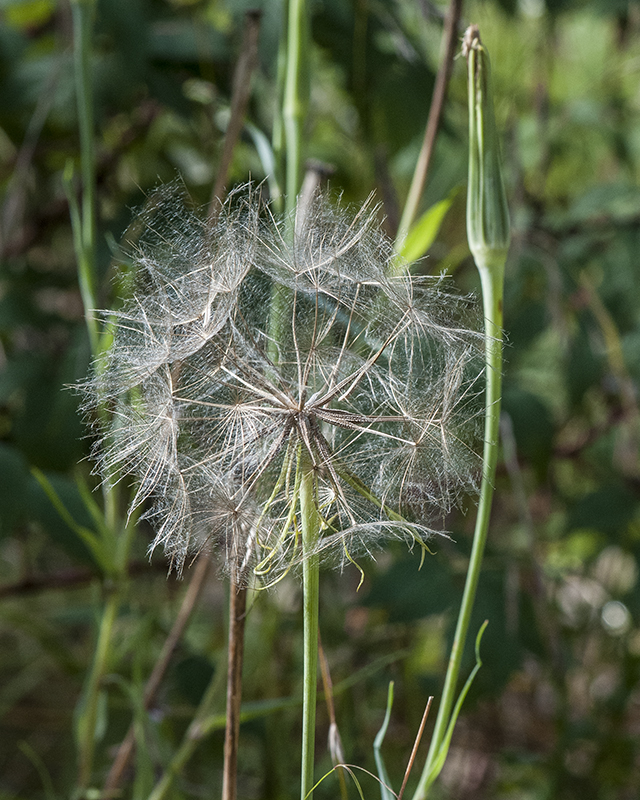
{"x": 488, "y": 231}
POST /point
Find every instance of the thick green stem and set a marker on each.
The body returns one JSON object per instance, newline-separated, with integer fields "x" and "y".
{"x": 311, "y": 586}
{"x": 492, "y": 290}
{"x": 294, "y": 100}
{"x": 294, "y": 103}
{"x": 88, "y": 715}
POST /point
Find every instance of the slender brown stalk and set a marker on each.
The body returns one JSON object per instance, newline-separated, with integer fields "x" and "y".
{"x": 335, "y": 742}
{"x": 13, "y": 204}
{"x": 450, "y": 42}
{"x": 237, "y": 614}
{"x": 239, "y": 101}
{"x": 237, "y": 593}
{"x": 414, "y": 751}
{"x": 125, "y": 750}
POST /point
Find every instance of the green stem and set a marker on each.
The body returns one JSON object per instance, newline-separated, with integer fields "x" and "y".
{"x": 293, "y": 112}
{"x": 294, "y": 100}
{"x": 83, "y": 219}
{"x": 82, "y": 11}
{"x": 311, "y": 587}
{"x": 492, "y": 278}
{"x": 88, "y": 717}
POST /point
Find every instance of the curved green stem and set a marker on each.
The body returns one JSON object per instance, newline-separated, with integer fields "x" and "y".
{"x": 88, "y": 714}
{"x": 293, "y": 112}
{"x": 82, "y": 11}
{"x": 115, "y": 536}
{"x": 311, "y": 585}
{"x": 492, "y": 277}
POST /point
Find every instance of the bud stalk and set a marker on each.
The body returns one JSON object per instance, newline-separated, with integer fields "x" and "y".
{"x": 487, "y": 213}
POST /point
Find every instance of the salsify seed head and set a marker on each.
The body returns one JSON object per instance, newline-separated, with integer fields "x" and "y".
{"x": 254, "y": 350}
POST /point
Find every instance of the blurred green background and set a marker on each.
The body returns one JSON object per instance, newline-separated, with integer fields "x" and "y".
{"x": 555, "y": 710}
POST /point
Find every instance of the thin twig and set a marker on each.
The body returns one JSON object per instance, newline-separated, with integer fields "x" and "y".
{"x": 237, "y": 614}
{"x": 414, "y": 751}
{"x": 237, "y": 593}
{"x": 450, "y": 40}
{"x": 628, "y": 446}
{"x": 239, "y": 101}
{"x": 13, "y": 204}
{"x": 125, "y": 750}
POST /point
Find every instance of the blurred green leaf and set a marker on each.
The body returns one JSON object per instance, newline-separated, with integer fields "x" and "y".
{"x": 615, "y": 201}
{"x": 88, "y": 537}
{"x": 407, "y": 592}
{"x": 533, "y": 427}
{"x": 192, "y": 675}
{"x": 584, "y": 366}
{"x": 27, "y": 13}
{"x": 183, "y": 40}
{"x": 608, "y": 509}
{"x": 423, "y": 234}
{"x": 512, "y": 632}
{"x": 43, "y": 510}
{"x": 14, "y": 478}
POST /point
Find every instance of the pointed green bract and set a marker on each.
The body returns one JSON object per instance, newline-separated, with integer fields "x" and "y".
{"x": 488, "y": 229}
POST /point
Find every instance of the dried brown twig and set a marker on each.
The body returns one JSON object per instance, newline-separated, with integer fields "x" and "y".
{"x": 335, "y": 742}
{"x": 239, "y": 101}
{"x": 237, "y": 614}
{"x": 414, "y": 751}
{"x": 450, "y": 42}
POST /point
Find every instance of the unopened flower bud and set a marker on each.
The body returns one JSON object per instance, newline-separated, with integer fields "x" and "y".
{"x": 487, "y": 213}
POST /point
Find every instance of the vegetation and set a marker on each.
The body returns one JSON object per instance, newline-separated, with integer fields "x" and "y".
{"x": 102, "y": 103}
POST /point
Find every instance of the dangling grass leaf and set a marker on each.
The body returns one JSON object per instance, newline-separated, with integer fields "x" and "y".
{"x": 385, "y": 783}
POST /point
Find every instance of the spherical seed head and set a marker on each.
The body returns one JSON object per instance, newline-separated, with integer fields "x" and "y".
{"x": 254, "y": 350}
